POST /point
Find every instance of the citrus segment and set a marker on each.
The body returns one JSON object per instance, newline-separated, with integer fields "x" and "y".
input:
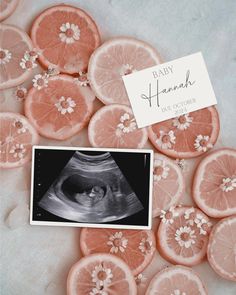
{"x": 101, "y": 274}
{"x": 115, "y": 126}
{"x": 168, "y": 184}
{"x": 214, "y": 186}
{"x": 17, "y": 136}
{"x": 59, "y": 109}
{"x": 14, "y": 45}
{"x": 222, "y": 248}
{"x": 186, "y": 136}
{"x": 7, "y": 7}
{"x": 65, "y": 36}
{"x": 135, "y": 247}
{"x": 176, "y": 280}
{"x": 115, "y": 58}
{"x": 182, "y": 235}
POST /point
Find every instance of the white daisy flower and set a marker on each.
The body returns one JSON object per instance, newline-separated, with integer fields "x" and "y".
{"x": 202, "y": 143}
{"x": 185, "y": 236}
{"x": 31, "y": 55}
{"x": 96, "y": 291}
{"x": 189, "y": 215}
{"x": 20, "y": 126}
{"x": 145, "y": 245}
{"x": 168, "y": 216}
{"x": 161, "y": 170}
{"x": 166, "y": 140}
{"x": 27, "y": 62}
{"x": 127, "y": 124}
{"x": 117, "y": 242}
{"x": 127, "y": 69}
{"x": 20, "y": 93}
{"x": 182, "y": 122}
{"x": 82, "y": 80}
{"x": 40, "y": 81}
{"x": 101, "y": 275}
{"x": 5, "y": 56}
{"x": 140, "y": 279}
{"x": 178, "y": 292}
{"x": 65, "y": 105}
{"x": 228, "y": 184}
{"x": 18, "y": 151}
{"x": 69, "y": 33}
{"x": 204, "y": 226}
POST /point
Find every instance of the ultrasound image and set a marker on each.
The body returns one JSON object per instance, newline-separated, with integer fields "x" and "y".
{"x": 91, "y": 189}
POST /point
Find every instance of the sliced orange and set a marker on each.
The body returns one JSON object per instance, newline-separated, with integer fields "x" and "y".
{"x": 7, "y": 7}
{"x": 186, "y": 136}
{"x": 115, "y": 58}
{"x": 135, "y": 247}
{"x": 65, "y": 36}
{"x": 17, "y": 136}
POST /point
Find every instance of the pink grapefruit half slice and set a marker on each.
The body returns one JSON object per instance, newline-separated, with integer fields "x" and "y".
{"x": 188, "y": 135}
{"x": 182, "y": 236}
{"x": 17, "y": 136}
{"x": 65, "y": 36}
{"x": 60, "y": 108}
{"x": 168, "y": 184}
{"x": 221, "y": 250}
{"x": 14, "y": 43}
{"x": 176, "y": 280}
{"x": 115, "y": 126}
{"x": 214, "y": 185}
{"x": 101, "y": 274}
{"x": 115, "y": 58}
{"x": 135, "y": 247}
{"x": 7, "y": 7}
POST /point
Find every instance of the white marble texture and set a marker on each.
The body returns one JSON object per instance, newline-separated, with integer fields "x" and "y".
{"x": 36, "y": 259}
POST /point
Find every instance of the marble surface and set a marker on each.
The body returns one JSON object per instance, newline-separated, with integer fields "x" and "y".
{"x": 36, "y": 260}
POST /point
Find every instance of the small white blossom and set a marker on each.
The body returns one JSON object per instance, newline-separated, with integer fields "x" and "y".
{"x": 182, "y": 122}
{"x": 65, "y": 105}
{"x": 161, "y": 170}
{"x": 202, "y": 143}
{"x": 20, "y": 126}
{"x": 228, "y": 184}
{"x": 52, "y": 71}
{"x": 145, "y": 245}
{"x": 166, "y": 140}
{"x": 40, "y": 81}
{"x": 140, "y": 279}
{"x": 189, "y": 215}
{"x": 168, "y": 216}
{"x": 69, "y": 33}
{"x": 117, "y": 242}
{"x": 5, "y": 56}
{"x": 18, "y": 151}
{"x": 82, "y": 80}
{"x": 20, "y": 93}
{"x": 127, "y": 124}
{"x": 204, "y": 226}
{"x": 101, "y": 275}
{"x": 27, "y": 62}
{"x": 185, "y": 236}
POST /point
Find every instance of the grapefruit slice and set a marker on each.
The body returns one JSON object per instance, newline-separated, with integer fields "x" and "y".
{"x": 7, "y": 7}
{"x": 176, "y": 280}
{"x": 14, "y": 43}
{"x": 182, "y": 235}
{"x": 17, "y": 136}
{"x": 115, "y": 126}
{"x": 65, "y": 36}
{"x": 186, "y": 136}
{"x": 214, "y": 186}
{"x": 101, "y": 274}
{"x": 222, "y": 248}
{"x": 60, "y": 108}
{"x": 135, "y": 247}
{"x": 115, "y": 58}
{"x": 168, "y": 184}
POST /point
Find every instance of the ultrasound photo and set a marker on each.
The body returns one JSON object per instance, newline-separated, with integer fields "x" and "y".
{"x": 91, "y": 187}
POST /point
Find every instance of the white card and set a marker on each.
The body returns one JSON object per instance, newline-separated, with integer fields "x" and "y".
{"x": 169, "y": 90}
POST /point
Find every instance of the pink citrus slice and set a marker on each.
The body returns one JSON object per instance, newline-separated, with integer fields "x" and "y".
{"x": 65, "y": 36}
{"x": 135, "y": 247}
{"x": 176, "y": 280}
{"x": 115, "y": 58}
{"x": 7, "y": 7}
{"x": 115, "y": 126}
{"x": 214, "y": 186}
{"x": 14, "y": 45}
{"x": 17, "y": 136}
{"x": 168, "y": 184}
{"x": 59, "y": 107}
{"x": 186, "y": 136}
{"x": 101, "y": 274}
{"x": 222, "y": 248}
{"x": 182, "y": 235}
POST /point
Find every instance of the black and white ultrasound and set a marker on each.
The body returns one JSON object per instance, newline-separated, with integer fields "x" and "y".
{"x": 91, "y": 187}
